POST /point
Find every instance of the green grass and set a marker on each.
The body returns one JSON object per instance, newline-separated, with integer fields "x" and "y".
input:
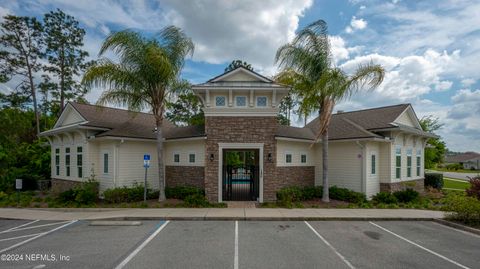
{"x": 454, "y": 184}
{"x": 468, "y": 171}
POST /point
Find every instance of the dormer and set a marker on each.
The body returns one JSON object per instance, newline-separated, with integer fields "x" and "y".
{"x": 241, "y": 92}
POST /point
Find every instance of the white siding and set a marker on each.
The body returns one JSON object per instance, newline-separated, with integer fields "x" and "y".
{"x": 129, "y": 160}
{"x": 373, "y": 180}
{"x": 184, "y": 148}
{"x": 71, "y": 117}
{"x": 344, "y": 165}
{"x": 296, "y": 149}
{"x": 385, "y": 162}
{"x": 72, "y": 141}
{"x": 240, "y": 76}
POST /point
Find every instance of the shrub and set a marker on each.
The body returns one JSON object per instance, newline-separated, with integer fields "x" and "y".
{"x": 181, "y": 192}
{"x": 85, "y": 194}
{"x": 454, "y": 166}
{"x": 346, "y": 195}
{"x": 384, "y": 198}
{"x": 406, "y": 196}
{"x": 464, "y": 208}
{"x": 474, "y": 189}
{"x": 196, "y": 200}
{"x": 128, "y": 194}
{"x": 310, "y": 192}
{"x": 288, "y": 195}
{"x": 434, "y": 180}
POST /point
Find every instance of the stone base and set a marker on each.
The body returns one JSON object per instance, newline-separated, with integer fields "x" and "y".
{"x": 286, "y": 176}
{"x": 185, "y": 176}
{"x": 61, "y": 185}
{"x": 417, "y": 185}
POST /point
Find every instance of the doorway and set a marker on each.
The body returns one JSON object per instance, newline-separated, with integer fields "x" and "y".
{"x": 240, "y": 174}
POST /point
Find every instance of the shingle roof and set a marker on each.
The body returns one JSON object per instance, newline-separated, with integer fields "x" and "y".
{"x": 125, "y": 123}
{"x": 461, "y": 157}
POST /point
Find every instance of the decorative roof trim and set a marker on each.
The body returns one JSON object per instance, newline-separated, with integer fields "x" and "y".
{"x": 239, "y": 69}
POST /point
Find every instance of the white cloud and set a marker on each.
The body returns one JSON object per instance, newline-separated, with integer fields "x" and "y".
{"x": 356, "y": 24}
{"x": 467, "y": 82}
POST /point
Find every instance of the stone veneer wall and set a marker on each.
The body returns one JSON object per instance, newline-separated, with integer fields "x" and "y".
{"x": 417, "y": 184}
{"x": 185, "y": 175}
{"x": 240, "y": 130}
{"x": 61, "y": 185}
{"x": 294, "y": 176}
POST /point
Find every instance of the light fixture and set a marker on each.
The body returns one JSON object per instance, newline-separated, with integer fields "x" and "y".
{"x": 269, "y": 157}
{"x": 212, "y": 157}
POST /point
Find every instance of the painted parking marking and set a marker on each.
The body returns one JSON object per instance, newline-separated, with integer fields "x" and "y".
{"x": 20, "y": 226}
{"x": 419, "y": 246}
{"x": 235, "y": 258}
{"x": 37, "y": 236}
{"x": 36, "y": 226}
{"x": 455, "y": 229}
{"x": 18, "y": 237}
{"x": 139, "y": 248}
{"x": 330, "y": 246}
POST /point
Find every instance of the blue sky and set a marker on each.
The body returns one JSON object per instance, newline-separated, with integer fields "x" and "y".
{"x": 430, "y": 49}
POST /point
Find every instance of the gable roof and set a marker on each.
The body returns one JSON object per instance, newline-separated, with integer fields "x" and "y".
{"x": 463, "y": 157}
{"x": 240, "y": 69}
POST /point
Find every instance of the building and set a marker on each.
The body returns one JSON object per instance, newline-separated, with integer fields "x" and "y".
{"x": 469, "y": 160}
{"x": 241, "y": 153}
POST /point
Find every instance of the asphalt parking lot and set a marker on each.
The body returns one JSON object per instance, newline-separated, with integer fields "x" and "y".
{"x": 237, "y": 244}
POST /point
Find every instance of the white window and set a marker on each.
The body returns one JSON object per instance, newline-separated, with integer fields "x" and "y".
{"x": 262, "y": 101}
{"x": 288, "y": 157}
{"x": 419, "y": 161}
{"x": 57, "y": 161}
{"x": 303, "y": 158}
{"x": 220, "y": 100}
{"x": 176, "y": 157}
{"x": 79, "y": 162}
{"x": 409, "y": 162}
{"x": 398, "y": 162}
{"x": 241, "y": 101}
{"x": 67, "y": 162}
{"x": 105, "y": 163}
{"x": 191, "y": 157}
{"x": 374, "y": 164}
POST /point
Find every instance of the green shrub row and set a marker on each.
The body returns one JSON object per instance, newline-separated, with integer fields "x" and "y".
{"x": 463, "y": 208}
{"x": 288, "y": 195}
{"x": 128, "y": 194}
{"x": 85, "y": 194}
{"x": 405, "y": 196}
{"x": 434, "y": 180}
{"x": 181, "y": 192}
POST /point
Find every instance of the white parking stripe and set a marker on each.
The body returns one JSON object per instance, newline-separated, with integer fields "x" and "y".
{"x": 17, "y": 237}
{"x": 38, "y": 236}
{"x": 19, "y": 226}
{"x": 455, "y": 229}
{"x": 235, "y": 258}
{"x": 331, "y": 247}
{"x": 33, "y": 227}
{"x": 135, "y": 252}
{"x": 417, "y": 245}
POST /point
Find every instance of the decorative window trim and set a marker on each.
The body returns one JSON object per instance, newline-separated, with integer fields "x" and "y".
{"x": 286, "y": 157}
{"x": 57, "y": 161}
{"x": 241, "y": 96}
{"x": 373, "y": 163}
{"x": 409, "y": 162}
{"x": 80, "y": 164}
{"x": 301, "y": 158}
{"x": 398, "y": 168}
{"x": 175, "y": 154}
{"x": 194, "y": 157}
{"x": 266, "y": 101}
{"x": 215, "y": 100}
{"x": 106, "y": 164}
{"x": 68, "y": 161}
{"x": 419, "y": 161}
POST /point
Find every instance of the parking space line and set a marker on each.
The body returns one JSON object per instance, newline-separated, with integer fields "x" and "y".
{"x": 135, "y": 252}
{"x": 17, "y": 237}
{"x": 330, "y": 246}
{"x": 38, "y": 236}
{"x": 19, "y": 226}
{"x": 235, "y": 258}
{"x": 37, "y": 226}
{"x": 455, "y": 229}
{"x": 419, "y": 246}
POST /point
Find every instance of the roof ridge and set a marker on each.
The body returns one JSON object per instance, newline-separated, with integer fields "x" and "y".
{"x": 373, "y": 108}
{"x": 238, "y": 67}
{"x": 356, "y": 125}
{"x": 112, "y": 108}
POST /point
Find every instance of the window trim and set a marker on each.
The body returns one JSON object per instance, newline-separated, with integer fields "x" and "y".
{"x": 398, "y": 168}
{"x": 373, "y": 163}
{"x": 409, "y": 153}
{"x": 246, "y": 100}
{"x": 107, "y": 163}
{"x": 194, "y": 157}
{"x": 179, "y": 157}
{"x": 301, "y": 158}
{"x": 57, "y": 161}
{"x": 69, "y": 163}
{"x": 418, "y": 161}
{"x": 80, "y": 167}
{"x": 266, "y": 101}
{"x": 215, "y": 100}
{"x": 291, "y": 157}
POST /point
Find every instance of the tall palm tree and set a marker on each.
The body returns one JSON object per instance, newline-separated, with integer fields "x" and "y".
{"x": 148, "y": 70}
{"x": 306, "y": 62}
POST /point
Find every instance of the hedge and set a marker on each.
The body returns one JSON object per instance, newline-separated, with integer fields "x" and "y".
{"x": 288, "y": 195}
{"x": 434, "y": 180}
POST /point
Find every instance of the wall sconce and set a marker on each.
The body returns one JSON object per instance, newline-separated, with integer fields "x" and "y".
{"x": 212, "y": 157}
{"x": 269, "y": 157}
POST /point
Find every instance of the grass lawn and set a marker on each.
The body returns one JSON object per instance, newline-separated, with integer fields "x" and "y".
{"x": 456, "y": 171}
{"x": 455, "y": 184}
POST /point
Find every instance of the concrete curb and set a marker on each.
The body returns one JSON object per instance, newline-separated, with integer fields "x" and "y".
{"x": 269, "y": 218}
{"x": 457, "y": 226}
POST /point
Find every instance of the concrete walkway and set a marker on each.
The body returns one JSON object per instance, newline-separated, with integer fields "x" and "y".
{"x": 218, "y": 214}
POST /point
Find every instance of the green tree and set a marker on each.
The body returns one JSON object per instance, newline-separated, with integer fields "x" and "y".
{"x": 21, "y": 45}
{"x": 434, "y": 154}
{"x": 237, "y": 63}
{"x": 319, "y": 84}
{"x": 146, "y": 74}
{"x": 67, "y": 60}
{"x": 187, "y": 109}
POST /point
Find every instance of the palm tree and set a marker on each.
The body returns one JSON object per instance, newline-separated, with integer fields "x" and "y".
{"x": 148, "y": 71}
{"x": 306, "y": 62}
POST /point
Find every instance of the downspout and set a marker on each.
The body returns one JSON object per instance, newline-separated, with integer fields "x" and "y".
{"x": 362, "y": 172}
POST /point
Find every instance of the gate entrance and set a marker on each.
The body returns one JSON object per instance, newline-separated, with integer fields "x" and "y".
{"x": 240, "y": 175}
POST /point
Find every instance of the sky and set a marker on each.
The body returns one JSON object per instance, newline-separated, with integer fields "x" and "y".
{"x": 429, "y": 49}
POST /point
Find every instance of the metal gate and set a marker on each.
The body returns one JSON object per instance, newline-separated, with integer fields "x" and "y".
{"x": 240, "y": 183}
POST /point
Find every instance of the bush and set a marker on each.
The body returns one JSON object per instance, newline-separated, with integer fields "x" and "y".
{"x": 85, "y": 194}
{"x": 474, "y": 189}
{"x": 309, "y": 192}
{"x": 434, "y": 180}
{"x": 181, "y": 192}
{"x": 464, "y": 208}
{"x": 384, "y": 198}
{"x": 196, "y": 200}
{"x": 288, "y": 195}
{"x": 454, "y": 166}
{"x": 406, "y": 196}
{"x": 128, "y": 194}
{"x": 346, "y": 195}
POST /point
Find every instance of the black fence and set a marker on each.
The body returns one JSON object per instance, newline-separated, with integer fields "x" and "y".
{"x": 240, "y": 183}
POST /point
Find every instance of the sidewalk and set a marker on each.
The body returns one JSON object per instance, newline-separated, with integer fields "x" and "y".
{"x": 218, "y": 214}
